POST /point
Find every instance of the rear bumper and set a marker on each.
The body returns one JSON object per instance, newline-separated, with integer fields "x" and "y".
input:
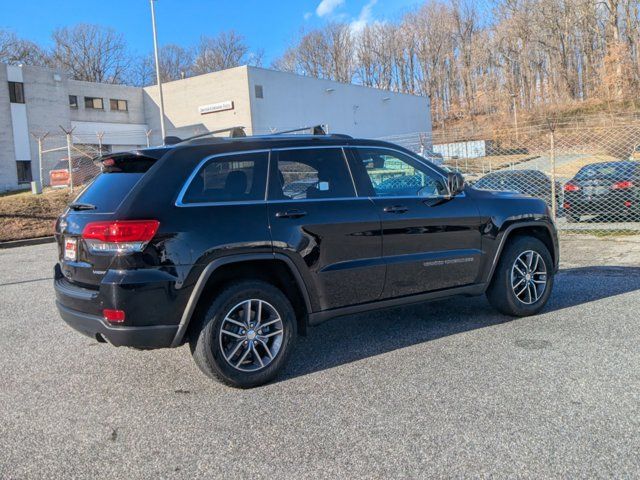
{"x": 149, "y": 297}
{"x": 159, "y": 336}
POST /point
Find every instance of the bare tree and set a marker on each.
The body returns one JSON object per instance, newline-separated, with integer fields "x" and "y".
{"x": 175, "y": 62}
{"x": 328, "y": 52}
{"x": 226, "y": 50}
{"x": 91, "y": 53}
{"x": 15, "y": 50}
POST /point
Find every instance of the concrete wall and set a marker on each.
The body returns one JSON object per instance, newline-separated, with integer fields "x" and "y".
{"x": 183, "y": 97}
{"x": 292, "y": 101}
{"x": 133, "y": 96}
{"x": 8, "y": 174}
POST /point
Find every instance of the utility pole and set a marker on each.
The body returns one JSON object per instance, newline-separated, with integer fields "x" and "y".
{"x": 69, "y": 141}
{"x": 148, "y": 134}
{"x": 155, "y": 53}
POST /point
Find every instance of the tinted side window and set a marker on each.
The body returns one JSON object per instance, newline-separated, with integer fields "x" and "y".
{"x": 394, "y": 174}
{"x": 233, "y": 178}
{"x": 310, "y": 174}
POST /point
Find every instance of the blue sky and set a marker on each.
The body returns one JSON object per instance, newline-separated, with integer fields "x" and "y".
{"x": 268, "y": 25}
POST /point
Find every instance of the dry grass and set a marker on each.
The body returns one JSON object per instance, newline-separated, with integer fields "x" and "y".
{"x": 24, "y": 215}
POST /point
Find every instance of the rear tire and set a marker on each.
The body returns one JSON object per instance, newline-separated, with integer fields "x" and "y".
{"x": 230, "y": 345}
{"x": 517, "y": 287}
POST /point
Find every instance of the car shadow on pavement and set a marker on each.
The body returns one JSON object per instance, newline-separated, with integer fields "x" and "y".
{"x": 351, "y": 338}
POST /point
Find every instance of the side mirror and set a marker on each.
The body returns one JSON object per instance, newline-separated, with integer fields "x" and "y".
{"x": 455, "y": 182}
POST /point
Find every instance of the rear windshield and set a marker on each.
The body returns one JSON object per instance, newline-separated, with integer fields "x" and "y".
{"x": 120, "y": 173}
{"x": 108, "y": 190}
{"x": 616, "y": 170}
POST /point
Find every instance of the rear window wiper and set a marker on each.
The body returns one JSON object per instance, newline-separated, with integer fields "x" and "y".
{"x": 81, "y": 206}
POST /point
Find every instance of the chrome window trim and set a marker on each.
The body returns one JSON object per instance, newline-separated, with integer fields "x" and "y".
{"x": 179, "y": 201}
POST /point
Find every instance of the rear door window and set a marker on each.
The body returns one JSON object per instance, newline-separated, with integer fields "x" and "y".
{"x": 230, "y": 178}
{"x": 310, "y": 173}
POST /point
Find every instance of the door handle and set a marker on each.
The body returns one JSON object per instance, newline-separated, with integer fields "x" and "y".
{"x": 396, "y": 209}
{"x": 291, "y": 214}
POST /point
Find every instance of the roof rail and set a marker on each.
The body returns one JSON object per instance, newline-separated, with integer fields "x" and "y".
{"x": 315, "y": 130}
{"x": 234, "y": 132}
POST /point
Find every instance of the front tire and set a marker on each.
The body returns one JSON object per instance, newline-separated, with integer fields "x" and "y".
{"x": 523, "y": 279}
{"x": 246, "y": 335}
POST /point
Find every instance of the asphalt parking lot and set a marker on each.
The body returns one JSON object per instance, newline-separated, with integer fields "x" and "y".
{"x": 448, "y": 389}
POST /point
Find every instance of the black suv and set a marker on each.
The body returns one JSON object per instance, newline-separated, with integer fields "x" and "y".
{"x": 237, "y": 245}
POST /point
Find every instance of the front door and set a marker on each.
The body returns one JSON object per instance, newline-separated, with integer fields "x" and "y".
{"x": 318, "y": 221}
{"x": 430, "y": 241}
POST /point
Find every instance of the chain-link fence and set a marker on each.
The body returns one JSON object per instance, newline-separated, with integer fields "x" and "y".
{"x": 66, "y": 160}
{"x": 589, "y": 176}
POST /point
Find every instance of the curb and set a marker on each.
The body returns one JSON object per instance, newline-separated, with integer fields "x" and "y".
{"x": 26, "y": 242}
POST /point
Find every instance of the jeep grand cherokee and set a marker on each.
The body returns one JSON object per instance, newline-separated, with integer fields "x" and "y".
{"x": 237, "y": 245}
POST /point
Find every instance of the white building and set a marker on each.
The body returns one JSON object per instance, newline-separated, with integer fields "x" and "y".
{"x": 38, "y": 100}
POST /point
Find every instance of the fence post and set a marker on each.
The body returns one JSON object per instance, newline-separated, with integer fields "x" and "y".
{"x": 69, "y": 141}
{"x": 100, "y": 136}
{"x": 40, "y": 168}
{"x": 552, "y": 145}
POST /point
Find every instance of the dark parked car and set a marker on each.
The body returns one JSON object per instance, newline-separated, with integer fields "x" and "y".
{"x": 611, "y": 189}
{"x": 203, "y": 243}
{"x": 529, "y": 182}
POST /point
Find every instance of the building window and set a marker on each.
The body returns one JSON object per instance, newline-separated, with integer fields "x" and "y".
{"x": 73, "y": 101}
{"x": 120, "y": 105}
{"x": 259, "y": 91}
{"x": 24, "y": 171}
{"x": 16, "y": 92}
{"x": 93, "y": 102}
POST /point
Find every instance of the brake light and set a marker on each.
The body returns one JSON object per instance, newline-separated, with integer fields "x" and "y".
{"x": 121, "y": 236}
{"x": 113, "y": 316}
{"x": 621, "y": 185}
{"x": 571, "y": 187}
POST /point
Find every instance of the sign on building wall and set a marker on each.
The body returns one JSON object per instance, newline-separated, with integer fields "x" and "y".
{"x": 216, "y": 107}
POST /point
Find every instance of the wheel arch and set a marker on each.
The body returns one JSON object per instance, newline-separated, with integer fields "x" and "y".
{"x": 276, "y": 269}
{"x": 540, "y": 230}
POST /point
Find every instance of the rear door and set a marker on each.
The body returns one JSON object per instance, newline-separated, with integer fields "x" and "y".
{"x": 430, "y": 242}
{"x": 318, "y": 221}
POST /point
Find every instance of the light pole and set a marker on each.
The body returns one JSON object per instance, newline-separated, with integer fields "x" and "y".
{"x": 155, "y": 54}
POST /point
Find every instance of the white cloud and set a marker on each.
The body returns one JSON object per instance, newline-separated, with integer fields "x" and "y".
{"x": 326, "y": 7}
{"x": 365, "y": 17}
{"x": 307, "y": 15}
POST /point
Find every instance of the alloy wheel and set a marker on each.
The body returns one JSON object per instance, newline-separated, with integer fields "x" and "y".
{"x": 529, "y": 277}
{"x": 251, "y": 335}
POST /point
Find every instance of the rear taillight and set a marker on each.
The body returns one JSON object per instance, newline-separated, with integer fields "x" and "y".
{"x": 123, "y": 236}
{"x": 621, "y": 185}
{"x": 571, "y": 187}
